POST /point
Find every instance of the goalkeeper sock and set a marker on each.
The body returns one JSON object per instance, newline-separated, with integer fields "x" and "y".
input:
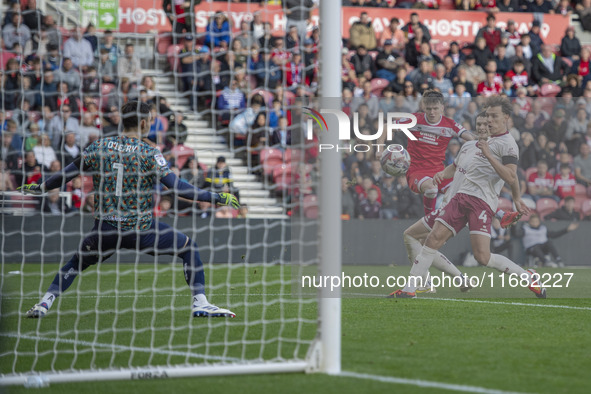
{"x": 420, "y": 269}
{"x": 499, "y": 214}
{"x": 48, "y": 299}
{"x": 65, "y": 277}
{"x": 193, "y": 269}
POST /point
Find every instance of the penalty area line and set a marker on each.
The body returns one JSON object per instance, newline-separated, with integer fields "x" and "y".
{"x": 423, "y": 383}
{"x": 120, "y": 347}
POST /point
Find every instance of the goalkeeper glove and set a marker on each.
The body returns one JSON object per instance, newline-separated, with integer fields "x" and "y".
{"x": 228, "y": 199}
{"x": 31, "y": 188}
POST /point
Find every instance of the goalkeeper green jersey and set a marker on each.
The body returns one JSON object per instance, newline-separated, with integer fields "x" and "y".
{"x": 124, "y": 172}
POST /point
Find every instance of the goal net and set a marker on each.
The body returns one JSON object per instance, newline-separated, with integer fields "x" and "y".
{"x": 226, "y": 114}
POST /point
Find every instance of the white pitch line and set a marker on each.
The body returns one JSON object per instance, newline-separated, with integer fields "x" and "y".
{"x": 582, "y": 308}
{"x": 212, "y": 295}
{"x": 424, "y": 383}
{"x": 121, "y": 347}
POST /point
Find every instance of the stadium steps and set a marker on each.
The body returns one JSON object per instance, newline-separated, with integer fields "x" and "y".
{"x": 208, "y": 146}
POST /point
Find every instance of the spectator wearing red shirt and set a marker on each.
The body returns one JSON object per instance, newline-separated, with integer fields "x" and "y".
{"x": 581, "y": 66}
{"x": 487, "y": 5}
{"x": 363, "y": 189}
{"x": 518, "y": 75}
{"x": 489, "y": 87}
{"x": 564, "y": 182}
{"x": 540, "y": 184}
{"x": 369, "y": 208}
{"x": 490, "y": 33}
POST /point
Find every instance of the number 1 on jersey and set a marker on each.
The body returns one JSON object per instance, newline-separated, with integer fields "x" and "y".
{"x": 119, "y": 179}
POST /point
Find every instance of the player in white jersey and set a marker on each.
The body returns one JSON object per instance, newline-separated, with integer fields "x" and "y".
{"x": 415, "y": 235}
{"x": 476, "y": 200}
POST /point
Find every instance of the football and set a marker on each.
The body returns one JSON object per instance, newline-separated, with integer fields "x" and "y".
{"x": 395, "y": 160}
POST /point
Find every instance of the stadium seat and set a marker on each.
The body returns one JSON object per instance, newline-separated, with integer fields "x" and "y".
{"x": 181, "y": 154}
{"x": 579, "y": 201}
{"x": 270, "y": 159}
{"x": 549, "y": 90}
{"x": 164, "y": 121}
{"x": 282, "y": 177}
{"x": 172, "y": 56}
{"x": 252, "y": 82}
{"x": 373, "y": 54}
{"x": 505, "y": 204}
{"x": 311, "y": 206}
{"x": 546, "y": 205}
{"x": 530, "y": 171}
{"x": 586, "y": 208}
{"x": 580, "y": 190}
{"x": 292, "y": 155}
{"x": 377, "y": 85}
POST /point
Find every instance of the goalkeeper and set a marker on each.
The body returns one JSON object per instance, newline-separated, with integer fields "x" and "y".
{"x": 125, "y": 170}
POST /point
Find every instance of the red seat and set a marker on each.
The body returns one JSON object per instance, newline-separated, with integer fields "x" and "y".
{"x": 586, "y": 208}
{"x": 181, "y": 154}
{"x": 546, "y": 205}
{"x": 579, "y": 201}
{"x": 580, "y": 190}
{"x": 172, "y": 54}
{"x": 282, "y": 177}
{"x": 377, "y": 85}
{"x": 270, "y": 159}
{"x": 291, "y": 155}
{"x": 549, "y": 90}
{"x": 505, "y": 204}
{"x": 311, "y": 206}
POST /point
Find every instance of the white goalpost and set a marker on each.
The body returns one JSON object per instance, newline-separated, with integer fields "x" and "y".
{"x": 128, "y": 318}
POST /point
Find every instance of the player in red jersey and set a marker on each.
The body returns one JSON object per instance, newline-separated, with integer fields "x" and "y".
{"x": 433, "y": 132}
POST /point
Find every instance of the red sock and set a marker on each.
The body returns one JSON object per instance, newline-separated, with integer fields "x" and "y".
{"x": 429, "y": 204}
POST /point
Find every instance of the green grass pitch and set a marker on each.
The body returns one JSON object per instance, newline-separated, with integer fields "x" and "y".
{"x": 482, "y": 340}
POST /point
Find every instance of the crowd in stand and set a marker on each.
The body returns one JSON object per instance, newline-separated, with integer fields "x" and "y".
{"x": 61, "y": 90}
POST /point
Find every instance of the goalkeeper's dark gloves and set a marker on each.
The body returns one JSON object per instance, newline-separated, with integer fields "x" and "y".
{"x": 31, "y": 188}
{"x": 228, "y": 199}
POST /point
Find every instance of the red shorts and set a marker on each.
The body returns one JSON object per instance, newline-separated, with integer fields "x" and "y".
{"x": 463, "y": 209}
{"x": 415, "y": 179}
{"x": 429, "y": 219}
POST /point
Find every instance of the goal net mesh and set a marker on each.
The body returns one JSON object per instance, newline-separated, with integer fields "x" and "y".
{"x": 202, "y": 81}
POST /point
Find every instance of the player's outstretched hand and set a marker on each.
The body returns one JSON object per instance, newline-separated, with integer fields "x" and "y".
{"x": 30, "y": 188}
{"x": 229, "y": 199}
{"x": 521, "y": 207}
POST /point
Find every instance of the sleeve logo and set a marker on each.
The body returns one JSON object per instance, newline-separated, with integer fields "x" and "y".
{"x": 160, "y": 160}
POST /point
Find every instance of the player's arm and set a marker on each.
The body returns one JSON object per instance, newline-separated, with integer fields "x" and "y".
{"x": 190, "y": 192}
{"x": 71, "y": 171}
{"x": 446, "y": 173}
{"x": 507, "y": 170}
{"x": 466, "y": 135}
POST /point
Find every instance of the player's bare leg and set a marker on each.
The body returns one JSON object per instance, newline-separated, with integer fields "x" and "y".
{"x": 481, "y": 249}
{"x": 429, "y": 190}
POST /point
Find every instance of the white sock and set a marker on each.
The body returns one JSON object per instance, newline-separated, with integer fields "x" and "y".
{"x": 199, "y": 300}
{"x": 503, "y": 264}
{"x": 420, "y": 268}
{"x": 48, "y": 298}
{"x": 500, "y": 213}
{"x": 442, "y": 263}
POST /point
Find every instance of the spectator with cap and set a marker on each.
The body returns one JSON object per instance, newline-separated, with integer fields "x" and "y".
{"x": 386, "y": 63}
{"x": 547, "y": 67}
{"x": 362, "y": 33}
{"x": 78, "y": 50}
{"x": 394, "y": 34}
{"x": 129, "y": 64}
{"x": 534, "y": 34}
{"x": 513, "y": 36}
{"x": 570, "y": 46}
